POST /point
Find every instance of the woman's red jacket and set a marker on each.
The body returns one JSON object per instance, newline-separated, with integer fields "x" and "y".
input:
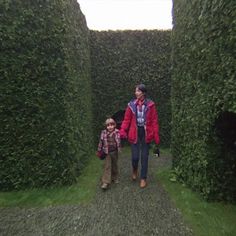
{"x": 129, "y": 124}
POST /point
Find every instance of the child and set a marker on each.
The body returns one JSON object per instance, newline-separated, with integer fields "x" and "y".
{"x": 110, "y": 144}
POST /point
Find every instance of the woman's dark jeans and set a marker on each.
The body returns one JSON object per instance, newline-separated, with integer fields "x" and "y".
{"x": 143, "y": 148}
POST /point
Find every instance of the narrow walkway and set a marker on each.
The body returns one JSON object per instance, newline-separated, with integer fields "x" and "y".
{"x": 124, "y": 210}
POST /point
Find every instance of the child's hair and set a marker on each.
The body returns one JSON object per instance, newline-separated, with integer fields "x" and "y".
{"x": 110, "y": 121}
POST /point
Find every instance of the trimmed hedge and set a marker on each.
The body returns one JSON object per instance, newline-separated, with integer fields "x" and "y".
{"x": 203, "y": 88}
{"x": 45, "y": 93}
{"x": 122, "y": 59}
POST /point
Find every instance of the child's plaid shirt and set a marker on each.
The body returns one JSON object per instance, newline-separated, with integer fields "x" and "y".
{"x": 103, "y": 144}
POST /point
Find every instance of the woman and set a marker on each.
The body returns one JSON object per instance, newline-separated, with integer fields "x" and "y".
{"x": 140, "y": 126}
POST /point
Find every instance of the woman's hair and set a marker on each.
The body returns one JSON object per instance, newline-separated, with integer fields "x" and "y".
{"x": 142, "y": 88}
{"x": 110, "y": 121}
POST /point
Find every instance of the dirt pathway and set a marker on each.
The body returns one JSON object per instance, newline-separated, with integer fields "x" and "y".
{"x": 125, "y": 209}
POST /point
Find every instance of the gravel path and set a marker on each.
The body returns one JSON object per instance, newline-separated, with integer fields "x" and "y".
{"x": 124, "y": 209}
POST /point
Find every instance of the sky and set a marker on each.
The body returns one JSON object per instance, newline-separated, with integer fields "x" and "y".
{"x": 127, "y": 14}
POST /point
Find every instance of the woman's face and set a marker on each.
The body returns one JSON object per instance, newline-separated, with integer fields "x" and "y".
{"x": 139, "y": 94}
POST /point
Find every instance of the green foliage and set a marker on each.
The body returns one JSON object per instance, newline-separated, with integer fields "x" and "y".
{"x": 203, "y": 86}
{"x": 81, "y": 192}
{"x": 122, "y": 59}
{"x": 204, "y": 218}
{"x": 45, "y": 93}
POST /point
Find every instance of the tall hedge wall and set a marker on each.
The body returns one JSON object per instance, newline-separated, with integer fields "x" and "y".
{"x": 45, "y": 93}
{"x": 122, "y": 59}
{"x": 204, "y": 88}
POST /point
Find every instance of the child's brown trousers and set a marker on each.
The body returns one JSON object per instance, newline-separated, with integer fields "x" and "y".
{"x": 111, "y": 168}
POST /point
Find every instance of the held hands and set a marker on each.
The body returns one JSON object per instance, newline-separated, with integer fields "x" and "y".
{"x": 123, "y": 134}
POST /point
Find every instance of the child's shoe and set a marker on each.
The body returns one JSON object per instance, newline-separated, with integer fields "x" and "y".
{"x": 134, "y": 174}
{"x": 104, "y": 186}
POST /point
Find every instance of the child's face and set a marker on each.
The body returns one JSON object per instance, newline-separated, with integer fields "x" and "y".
{"x": 110, "y": 127}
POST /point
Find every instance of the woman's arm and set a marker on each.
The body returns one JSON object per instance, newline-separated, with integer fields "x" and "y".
{"x": 126, "y": 123}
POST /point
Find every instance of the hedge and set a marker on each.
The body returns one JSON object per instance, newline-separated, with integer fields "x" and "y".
{"x": 45, "y": 93}
{"x": 122, "y": 59}
{"x": 203, "y": 90}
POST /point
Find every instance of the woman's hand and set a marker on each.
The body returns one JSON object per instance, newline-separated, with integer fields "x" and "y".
{"x": 156, "y": 151}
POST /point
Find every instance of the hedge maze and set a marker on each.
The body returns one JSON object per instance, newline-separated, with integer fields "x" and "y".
{"x": 60, "y": 81}
{"x": 204, "y": 96}
{"x": 45, "y": 95}
{"x": 122, "y": 59}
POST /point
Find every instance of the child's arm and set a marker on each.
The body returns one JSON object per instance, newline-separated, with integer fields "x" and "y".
{"x": 100, "y": 144}
{"x": 118, "y": 140}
